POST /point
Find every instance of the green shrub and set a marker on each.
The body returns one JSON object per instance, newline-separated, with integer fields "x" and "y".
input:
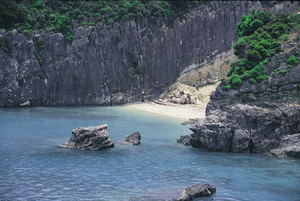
{"x": 283, "y": 71}
{"x": 292, "y": 60}
{"x": 252, "y": 22}
{"x": 240, "y": 46}
{"x": 259, "y": 37}
{"x": 266, "y": 61}
{"x": 236, "y": 81}
{"x": 11, "y": 13}
{"x": 253, "y": 81}
{"x": 26, "y": 32}
{"x": 61, "y": 16}
{"x": 226, "y": 87}
{"x": 224, "y": 81}
{"x": 283, "y": 37}
{"x": 261, "y": 78}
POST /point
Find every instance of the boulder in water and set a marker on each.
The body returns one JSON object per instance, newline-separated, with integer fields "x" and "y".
{"x": 133, "y": 139}
{"x": 197, "y": 191}
{"x": 90, "y": 138}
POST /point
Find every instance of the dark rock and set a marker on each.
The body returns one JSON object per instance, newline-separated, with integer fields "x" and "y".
{"x": 196, "y": 191}
{"x": 107, "y": 65}
{"x": 289, "y": 146}
{"x": 259, "y": 118}
{"x": 133, "y": 139}
{"x": 90, "y": 138}
{"x": 190, "y": 121}
{"x": 185, "y": 140}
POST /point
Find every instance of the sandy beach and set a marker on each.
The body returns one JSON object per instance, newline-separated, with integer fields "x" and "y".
{"x": 178, "y": 111}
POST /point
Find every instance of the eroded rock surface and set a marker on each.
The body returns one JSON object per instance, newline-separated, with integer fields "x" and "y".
{"x": 260, "y": 118}
{"x": 133, "y": 139}
{"x": 90, "y": 138}
{"x": 108, "y": 65}
{"x": 185, "y": 140}
{"x": 196, "y": 191}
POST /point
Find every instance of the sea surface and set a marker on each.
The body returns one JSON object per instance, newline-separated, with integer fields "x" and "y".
{"x": 34, "y": 167}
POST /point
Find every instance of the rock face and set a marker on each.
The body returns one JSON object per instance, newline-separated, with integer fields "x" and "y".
{"x": 133, "y": 139}
{"x": 197, "y": 191}
{"x": 107, "y": 65}
{"x": 260, "y": 118}
{"x": 289, "y": 146}
{"x": 190, "y": 121}
{"x": 90, "y": 138}
{"x": 185, "y": 140}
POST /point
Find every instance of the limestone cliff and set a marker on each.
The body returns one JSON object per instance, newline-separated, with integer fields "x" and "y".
{"x": 106, "y": 65}
{"x": 260, "y": 118}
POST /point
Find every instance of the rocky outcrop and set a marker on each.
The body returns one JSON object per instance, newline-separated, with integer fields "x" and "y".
{"x": 133, "y": 139}
{"x": 190, "y": 121}
{"x": 260, "y": 118}
{"x": 90, "y": 138}
{"x": 182, "y": 94}
{"x": 196, "y": 191}
{"x": 107, "y": 65}
{"x": 185, "y": 140}
{"x": 289, "y": 146}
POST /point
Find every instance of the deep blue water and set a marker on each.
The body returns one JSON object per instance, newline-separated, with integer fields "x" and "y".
{"x": 34, "y": 167}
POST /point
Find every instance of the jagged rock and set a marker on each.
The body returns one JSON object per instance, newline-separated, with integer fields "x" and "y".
{"x": 289, "y": 146}
{"x": 84, "y": 72}
{"x": 196, "y": 191}
{"x": 193, "y": 100}
{"x": 260, "y": 118}
{"x": 183, "y": 99}
{"x": 185, "y": 140}
{"x": 176, "y": 94}
{"x": 190, "y": 121}
{"x": 90, "y": 138}
{"x": 241, "y": 141}
{"x": 175, "y": 100}
{"x": 133, "y": 139}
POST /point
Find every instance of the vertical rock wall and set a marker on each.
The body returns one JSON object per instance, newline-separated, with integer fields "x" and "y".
{"x": 108, "y": 65}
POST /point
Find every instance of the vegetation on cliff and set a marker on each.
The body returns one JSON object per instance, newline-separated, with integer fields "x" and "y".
{"x": 260, "y": 36}
{"x": 62, "y": 16}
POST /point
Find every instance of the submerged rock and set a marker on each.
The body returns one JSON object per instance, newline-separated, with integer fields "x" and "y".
{"x": 133, "y": 139}
{"x": 90, "y": 138}
{"x": 185, "y": 140}
{"x": 197, "y": 191}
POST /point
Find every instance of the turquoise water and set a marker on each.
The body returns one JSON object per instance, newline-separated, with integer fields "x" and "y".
{"x": 34, "y": 167}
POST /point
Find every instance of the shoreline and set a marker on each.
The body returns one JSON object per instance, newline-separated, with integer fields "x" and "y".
{"x": 181, "y": 112}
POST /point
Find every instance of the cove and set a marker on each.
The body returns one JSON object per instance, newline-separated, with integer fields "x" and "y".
{"x": 34, "y": 167}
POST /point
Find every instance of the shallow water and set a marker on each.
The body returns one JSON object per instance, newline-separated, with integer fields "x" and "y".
{"x": 34, "y": 167}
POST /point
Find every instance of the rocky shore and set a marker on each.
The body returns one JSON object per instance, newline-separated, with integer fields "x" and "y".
{"x": 259, "y": 118}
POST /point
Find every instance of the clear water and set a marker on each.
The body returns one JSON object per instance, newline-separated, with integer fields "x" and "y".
{"x": 34, "y": 167}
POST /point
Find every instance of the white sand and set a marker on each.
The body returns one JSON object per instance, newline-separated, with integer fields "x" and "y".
{"x": 178, "y": 111}
{"x": 182, "y": 112}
